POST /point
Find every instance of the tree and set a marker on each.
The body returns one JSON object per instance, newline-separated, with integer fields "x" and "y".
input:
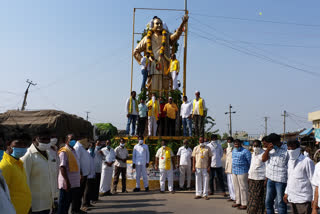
{"x": 106, "y": 130}
{"x": 225, "y": 136}
{"x": 210, "y": 122}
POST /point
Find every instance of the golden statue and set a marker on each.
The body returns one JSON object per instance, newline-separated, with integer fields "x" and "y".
{"x": 157, "y": 42}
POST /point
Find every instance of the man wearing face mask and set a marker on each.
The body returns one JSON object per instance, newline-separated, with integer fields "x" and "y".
{"x": 257, "y": 175}
{"x": 14, "y": 173}
{"x": 107, "y": 169}
{"x": 299, "y": 190}
{"x": 69, "y": 177}
{"x": 241, "y": 159}
{"x": 84, "y": 159}
{"x": 216, "y": 164}
{"x": 201, "y": 167}
{"x": 276, "y": 158}
{"x": 53, "y": 152}
{"x": 198, "y": 114}
{"x": 140, "y": 162}
{"x": 120, "y": 166}
{"x": 184, "y": 159}
{"x": 2, "y": 145}
{"x": 166, "y": 165}
{"x": 40, "y": 168}
{"x": 228, "y": 169}
{"x": 153, "y": 106}
{"x": 171, "y": 110}
{"x": 98, "y": 159}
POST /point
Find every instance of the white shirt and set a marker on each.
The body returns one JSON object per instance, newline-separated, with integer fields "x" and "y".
{"x": 98, "y": 158}
{"x": 109, "y": 155}
{"x": 277, "y": 165}
{"x": 5, "y": 201}
{"x": 299, "y": 186}
{"x": 257, "y": 169}
{"x": 217, "y": 154}
{"x": 316, "y": 179}
{"x": 92, "y": 173}
{"x": 186, "y": 109}
{"x": 83, "y": 159}
{"x": 140, "y": 155}
{"x": 134, "y": 110}
{"x": 143, "y": 63}
{"x": 185, "y": 156}
{"x": 161, "y": 154}
{"x": 55, "y": 157}
{"x": 196, "y": 106}
{"x": 40, "y": 178}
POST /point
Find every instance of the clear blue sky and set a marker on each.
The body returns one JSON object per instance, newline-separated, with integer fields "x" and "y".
{"x": 79, "y": 53}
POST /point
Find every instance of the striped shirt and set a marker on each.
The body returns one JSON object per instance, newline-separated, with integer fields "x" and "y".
{"x": 277, "y": 164}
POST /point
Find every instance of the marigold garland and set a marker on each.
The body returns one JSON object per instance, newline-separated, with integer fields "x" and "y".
{"x": 163, "y": 42}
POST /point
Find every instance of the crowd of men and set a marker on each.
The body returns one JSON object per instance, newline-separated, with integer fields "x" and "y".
{"x": 161, "y": 117}
{"x": 43, "y": 178}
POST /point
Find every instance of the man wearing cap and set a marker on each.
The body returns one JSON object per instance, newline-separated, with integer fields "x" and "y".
{"x": 171, "y": 109}
{"x": 198, "y": 114}
{"x": 299, "y": 190}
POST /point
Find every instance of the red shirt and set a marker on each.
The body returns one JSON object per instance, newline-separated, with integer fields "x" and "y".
{"x": 162, "y": 114}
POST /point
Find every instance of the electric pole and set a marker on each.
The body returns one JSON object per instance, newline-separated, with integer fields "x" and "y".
{"x": 87, "y": 115}
{"x": 185, "y": 50}
{"x": 284, "y": 124}
{"x": 26, "y": 94}
{"x": 230, "y": 121}
{"x": 266, "y": 126}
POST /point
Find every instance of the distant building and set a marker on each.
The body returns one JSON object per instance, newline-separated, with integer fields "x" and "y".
{"x": 314, "y": 117}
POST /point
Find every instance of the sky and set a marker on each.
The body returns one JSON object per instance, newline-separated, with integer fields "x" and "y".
{"x": 260, "y": 56}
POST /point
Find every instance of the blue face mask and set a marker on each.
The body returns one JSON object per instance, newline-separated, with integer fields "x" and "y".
{"x": 98, "y": 147}
{"x": 72, "y": 143}
{"x": 236, "y": 149}
{"x": 18, "y": 152}
{"x": 91, "y": 150}
{"x": 109, "y": 147}
{"x": 275, "y": 147}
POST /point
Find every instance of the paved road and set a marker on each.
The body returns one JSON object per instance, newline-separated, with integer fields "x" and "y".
{"x": 153, "y": 202}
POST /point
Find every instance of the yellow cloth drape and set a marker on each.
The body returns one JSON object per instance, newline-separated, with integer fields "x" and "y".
{"x": 154, "y": 111}
{"x": 16, "y": 179}
{"x": 200, "y": 106}
{"x": 174, "y": 66}
{"x": 167, "y": 151}
{"x": 73, "y": 164}
{"x": 131, "y": 106}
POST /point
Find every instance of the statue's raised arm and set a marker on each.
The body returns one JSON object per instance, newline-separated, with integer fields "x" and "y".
{"x": 176, "y": 35}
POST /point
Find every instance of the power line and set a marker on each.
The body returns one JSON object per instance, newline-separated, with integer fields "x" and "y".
{"x": 251, "y": 44}
{"x": 256, "y": 20}
{"x": 260, "y": 56}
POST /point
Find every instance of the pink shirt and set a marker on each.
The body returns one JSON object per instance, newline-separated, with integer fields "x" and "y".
{"x": 74, "y": 177}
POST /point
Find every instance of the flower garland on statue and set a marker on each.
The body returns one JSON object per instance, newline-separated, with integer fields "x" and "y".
{"x": 163, "y": 45}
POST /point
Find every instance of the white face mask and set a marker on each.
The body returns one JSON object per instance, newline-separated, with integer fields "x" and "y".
{"x": 140, "y": 142}
{"x": 43, "y": 146}
{"x": 164, "y": 146}
{"x": 122, "y": 145}
{"x": 201, "y": 144}
{"x": 153, "y": 98}
{"x": 256, "y": 150}
{"x": 272, "y": 151}
{"x": 294, "y": 154}
{"x": 53, "y": 141}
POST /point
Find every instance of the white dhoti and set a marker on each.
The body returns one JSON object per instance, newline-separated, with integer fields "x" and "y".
{"x": 174, "y": 76}
{"x": 106, "y": 178}
{"x": 230, "y": 186}
{"x": 185, "y": 169}
{"x": 152, "y": 126}
{"x": 202, "y": 182}
{"x": 141, "y": 170}
{"x": 163, "y": 175}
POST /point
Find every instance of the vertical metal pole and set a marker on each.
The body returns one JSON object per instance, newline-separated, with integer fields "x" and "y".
{"x": 134, "y": 15}
{"x": 284, "y": 125}
{"x": 185, "y": 51}
{"x": 265, "y": 125}
{"x": 230, "y": 120}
